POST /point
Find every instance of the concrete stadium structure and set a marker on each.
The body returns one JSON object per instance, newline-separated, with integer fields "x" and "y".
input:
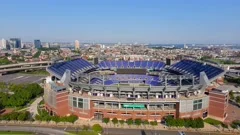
{"x": 146, "y": 89}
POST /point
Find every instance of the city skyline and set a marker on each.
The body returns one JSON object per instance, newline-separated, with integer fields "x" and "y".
{"x": 124, "y": 21}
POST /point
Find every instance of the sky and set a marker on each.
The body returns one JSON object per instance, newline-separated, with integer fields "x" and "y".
{"x": 126, "y": 21}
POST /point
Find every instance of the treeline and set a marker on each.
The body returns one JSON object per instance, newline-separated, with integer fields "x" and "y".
{"x": 23, "y": 93}
{"x": 232, "y": 97}
{"x": 233, "y": 80}
{"x": 44, "y": 116}
{"x": 187, "y": 123}
{"x": 20, "y": 116}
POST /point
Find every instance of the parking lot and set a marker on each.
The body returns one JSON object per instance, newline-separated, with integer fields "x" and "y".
{"x": 21, "y": 78}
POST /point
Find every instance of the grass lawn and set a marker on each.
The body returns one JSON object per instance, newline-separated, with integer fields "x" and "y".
{"x": 36, "y": 72}
{"x": 212, "y": 121}
{"x": 15, "y": 133}
{"x": 82, "y": 133}
{"x": 219, "y": 61}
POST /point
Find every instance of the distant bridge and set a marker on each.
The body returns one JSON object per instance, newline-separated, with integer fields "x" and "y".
{"x": 24, "y": 66}
{"x": 232, "y": 65}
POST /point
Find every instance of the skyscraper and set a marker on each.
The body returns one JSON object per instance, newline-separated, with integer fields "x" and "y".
{"x": 77, "y": 45}
{"x": 15, "y": 43}
{"x": 37, "y": 44}
{"x": 3, "y": 44}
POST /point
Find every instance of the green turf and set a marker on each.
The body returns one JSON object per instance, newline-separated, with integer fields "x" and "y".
{"x": 82, "y": 133}
{"x": 212, "y": 121}
{"x": 15, "y": 133}
{"x": 36, "y": 72}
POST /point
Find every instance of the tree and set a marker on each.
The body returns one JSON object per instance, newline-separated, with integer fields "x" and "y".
{"x": 23, "y": 93}
{"x": 115, "y": 121}
{"x": 106, "y": 120}
{"x": 97, "y": 128}
{"x": 13, "y": 116}
{"x": 238, "y": 99}
{"x": 23, "y": 116}
{"x": 129, "y": 121}
{"x": 231, "y": 95}
{"x": 145, "y": 122}
{"x": 71, "y": 118}
{"x": 138, "y": 122}
{"x": 153, "y": 123}
{"x": 121, "y": 122}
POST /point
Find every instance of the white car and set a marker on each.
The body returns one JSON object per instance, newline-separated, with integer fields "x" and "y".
{"x": 181, "y": 133}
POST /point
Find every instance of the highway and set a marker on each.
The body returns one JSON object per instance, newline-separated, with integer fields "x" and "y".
{"x": 42, "y": 130}
{"x": 27, "y": 63}
{"x": 24, "y": 66}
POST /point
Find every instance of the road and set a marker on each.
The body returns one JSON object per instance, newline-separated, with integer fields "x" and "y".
{"x": 117, "y": 131}
{"x": 21, "y": 78}
{"x": 42, "y": 130}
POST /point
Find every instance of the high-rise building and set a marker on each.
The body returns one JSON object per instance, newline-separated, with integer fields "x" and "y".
{"x": 37, "y": 44}
{"x": 15, "y": 43}
{"x": 77, "y": 45}
{"x": 47, "y": 45}
{"x": 22, "y": 45}
{"x": 3, "y": 44}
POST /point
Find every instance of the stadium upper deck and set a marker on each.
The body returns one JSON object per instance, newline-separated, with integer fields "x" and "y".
{"x": 79, "y": 69}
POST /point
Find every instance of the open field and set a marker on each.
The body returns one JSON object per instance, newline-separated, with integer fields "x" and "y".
{"x": 15, "y": 133}
{"x": 82, "y": 133}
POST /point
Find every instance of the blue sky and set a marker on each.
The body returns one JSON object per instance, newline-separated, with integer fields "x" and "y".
{"x": 145, "y": 21}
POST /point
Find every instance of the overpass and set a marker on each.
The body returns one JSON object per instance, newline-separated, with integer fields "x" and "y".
{"x": 24, "y": 66}
{"x": 229, "y": 66}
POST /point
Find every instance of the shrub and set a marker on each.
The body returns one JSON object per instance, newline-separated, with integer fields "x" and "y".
{"x": 106, "y": 120}
{"x": 115, "y": 121}
{"x": 193, "y": 123}
{"x": 224, "y": 125}
{"x": 145, "y": 122}
{"x": 44, "y": 116}
{"x": 121, "y": 122}
{"x": 129, "y": 121}
{"x": 154, "y": 123}
{"x": 138, "y": 122}
{"x": 97, "y": 128}
{"x": 235, "y": 124}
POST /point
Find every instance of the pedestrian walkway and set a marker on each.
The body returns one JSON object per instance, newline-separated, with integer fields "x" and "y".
{"x": 33, "y": 109}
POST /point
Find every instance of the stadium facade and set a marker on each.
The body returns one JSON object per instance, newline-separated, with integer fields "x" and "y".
{"x": 132, "y": 89}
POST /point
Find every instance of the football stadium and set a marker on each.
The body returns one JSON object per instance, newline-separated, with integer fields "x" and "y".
{"x": 148, "y": 90}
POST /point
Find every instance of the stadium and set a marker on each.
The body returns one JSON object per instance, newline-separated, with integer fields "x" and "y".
{"x": 148, "y": 90}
